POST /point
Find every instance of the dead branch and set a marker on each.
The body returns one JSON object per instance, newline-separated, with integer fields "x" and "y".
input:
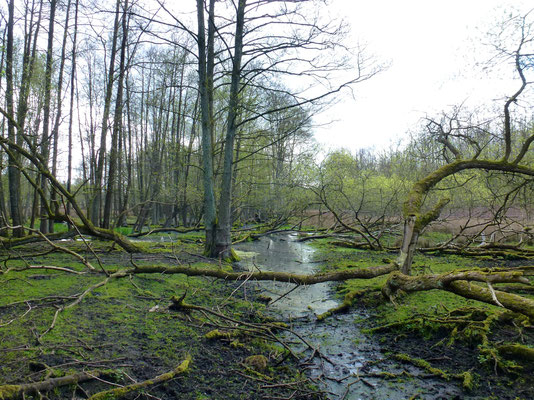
{"x": 461, "y": 283}
{"x": 15, "y": 392}
{"x": 298, "y": 279}
{"x": 118, "y": 393}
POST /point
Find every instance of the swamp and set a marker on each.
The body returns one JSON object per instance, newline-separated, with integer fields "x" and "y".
{"x": 171, "y": 227}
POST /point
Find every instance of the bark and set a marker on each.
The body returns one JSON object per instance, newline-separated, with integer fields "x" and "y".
{"x": 45, "y": 138}
{"x": 55, "y": 129}
{"x": 123, "y": 391}
{"x": 15, "y": 392}
{"x": 297, "y": 279}
{"x": 71, "y": 105}
{"x": 461, "y": 283}
{"x": 117, "y": 123}
{"x": 99, "y": 171}
{"x": 13, "y": 172}
{"x": 205, "y": 84}
{"x": 224, "y": 224}
{"x": 416, "y": 220}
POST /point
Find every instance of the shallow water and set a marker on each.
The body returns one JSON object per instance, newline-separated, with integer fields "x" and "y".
{"x": 349, "y": 355}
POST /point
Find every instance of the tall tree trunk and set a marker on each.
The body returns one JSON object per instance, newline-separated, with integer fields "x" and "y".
{"x": 99, "y": 172}
{"x": 117, "y": 123}
{"x": 45, "y": 139}
{"x": 13, "y": 171}
{"x": 3, "y": 209}
{"x": 205, "y": 83}
{"x": 71, "y": 105}
{"x": 224, "y": 225}
{"x": 55, "y": 129}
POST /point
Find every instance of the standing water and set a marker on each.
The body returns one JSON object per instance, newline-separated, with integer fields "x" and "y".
{"x": 348, "y": 357}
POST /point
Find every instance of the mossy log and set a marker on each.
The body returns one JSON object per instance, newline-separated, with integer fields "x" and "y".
{"x": 416, "y": 219}
{"x": 461, "y": 283}
{"x": 297, "y": 279}
{"x": 516, "y": 352}
{"x": 348, "y": 300}
{"x": 118, "y": 393}
{"x": 166, "y": 230}
{"x": 9, "y": 242}
{"x": 8, "y": 392}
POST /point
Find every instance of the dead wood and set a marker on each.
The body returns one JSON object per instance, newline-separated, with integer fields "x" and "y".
{"x": 298, "y": 279}
{"x": 461, "y": 283}
{"x": 9, "y": 392}
{"x": 118, "y": 393}
{"x": 166, "y": 230}
{"x": 517, "y": 352}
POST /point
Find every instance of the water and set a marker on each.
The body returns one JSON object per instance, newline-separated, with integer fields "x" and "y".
{"x": 348, "y": 357}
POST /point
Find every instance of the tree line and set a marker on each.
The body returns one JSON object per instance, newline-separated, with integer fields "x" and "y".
{"x": 148, "y": 113}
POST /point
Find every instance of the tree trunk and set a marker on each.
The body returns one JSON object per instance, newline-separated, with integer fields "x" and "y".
{"x": 205, "y": 83}
{"x": 224, "y": 225}
{"x": 71, "y": 105}
{"x": 13, "y": 171}
{"x": 99, "y": 172}
{"x": 45, "y": 138}
{"x": 117, "y": 123}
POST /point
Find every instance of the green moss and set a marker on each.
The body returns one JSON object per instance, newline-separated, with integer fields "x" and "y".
{"x": 468, "y": 381}
{"x": 217, "y": 334}
{"x": 9, "y": 391}
{"x": 257, "y": 362}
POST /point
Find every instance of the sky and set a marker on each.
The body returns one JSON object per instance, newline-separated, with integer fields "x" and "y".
{"x": 431, "y": 49}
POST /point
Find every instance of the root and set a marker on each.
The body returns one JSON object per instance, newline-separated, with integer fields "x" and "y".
{"x": 466, "y": 377}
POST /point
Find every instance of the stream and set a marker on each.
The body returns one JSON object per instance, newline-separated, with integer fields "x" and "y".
{"x": 346, "y": 351}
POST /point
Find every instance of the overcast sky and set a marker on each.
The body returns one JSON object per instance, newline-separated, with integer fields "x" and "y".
{"x": 431, "y": 47}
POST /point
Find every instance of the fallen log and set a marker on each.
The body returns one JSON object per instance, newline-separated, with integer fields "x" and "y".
{"x": 297, "y": 279}
{"x": 15, "y": 392}
{"x": 463, "y": 283}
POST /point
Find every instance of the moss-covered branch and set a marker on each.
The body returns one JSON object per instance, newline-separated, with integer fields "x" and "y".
{"x": 461, "y": 283}
{"x": 15, "y": 392}
{"x": 298, "y": 279}
{"x": 118, "y": 393}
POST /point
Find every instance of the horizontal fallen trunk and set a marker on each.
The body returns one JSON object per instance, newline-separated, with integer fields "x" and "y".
{"x": 9, "y": 392}
{"x": 9, "y": 242}
{"x": 297, "y": 279}
{"x": 517, "y": 352}
{"x": 166, "y": 230}
{"x": 461, "y": 283}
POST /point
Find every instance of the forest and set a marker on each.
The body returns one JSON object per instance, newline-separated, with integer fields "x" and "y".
{"x": 171, "y": 229}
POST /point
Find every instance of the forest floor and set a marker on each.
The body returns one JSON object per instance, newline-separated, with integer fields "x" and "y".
{"x": 126, "y": 330}
{"x": 438, "y": 332}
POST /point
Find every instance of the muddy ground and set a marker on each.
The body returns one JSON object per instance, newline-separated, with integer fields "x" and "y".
{"x": 126, "y": 330}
